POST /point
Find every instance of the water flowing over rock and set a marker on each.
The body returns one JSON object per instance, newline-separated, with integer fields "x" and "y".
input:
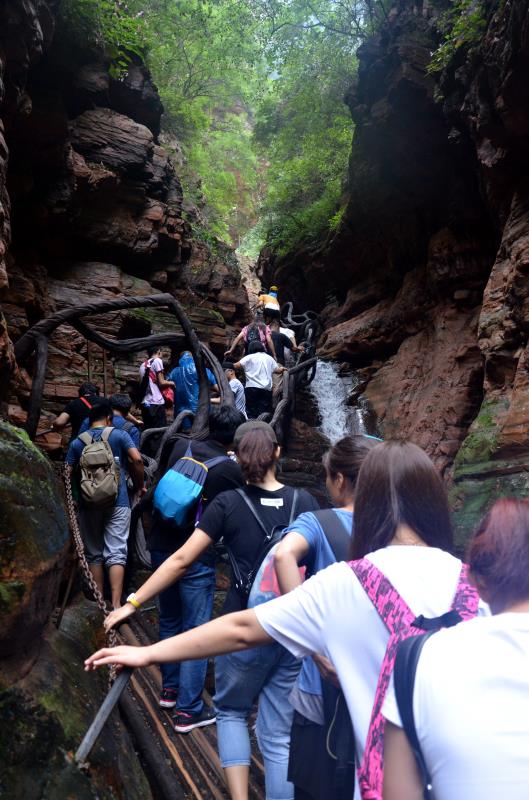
{"x": 332, "y": 392}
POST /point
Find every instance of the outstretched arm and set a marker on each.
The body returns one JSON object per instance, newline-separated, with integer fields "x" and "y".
{"x": 234, "y": 344}
{"x": 227, "y": 634}
{"x": 167, "y": 573}
{"x": 61, "y": 421}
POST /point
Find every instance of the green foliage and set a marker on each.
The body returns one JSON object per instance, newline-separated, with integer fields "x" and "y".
{"x": 463, "y": 24}
{"x": 106, "y": 24}
{"x": 305, "y": 130}
{"x": 207, "y": 66}
{"x": 253, "y": 91}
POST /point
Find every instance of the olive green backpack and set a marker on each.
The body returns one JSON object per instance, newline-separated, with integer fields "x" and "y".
{"x": 99, "y": 471}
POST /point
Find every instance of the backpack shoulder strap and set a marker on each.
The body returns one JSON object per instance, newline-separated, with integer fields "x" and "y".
{"x": 334, "y": 531}
{"x": 106, "y": 433}
{"x": 252, "y": 508}
{"x": 404, "y": 673}
{"x": 392, "y": 609}
{"x": 466, "y": 598}
{"x": 293, "y": 509}
{"x": 214, "y": 462}
{"x": 85, "y": 437}
{"x": 398, "y": 618}
{"x": 127, "y": 426}
{"x": 85, "y": 401}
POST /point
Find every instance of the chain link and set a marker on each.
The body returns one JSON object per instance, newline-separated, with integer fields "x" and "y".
{"x": 112, "y": 637}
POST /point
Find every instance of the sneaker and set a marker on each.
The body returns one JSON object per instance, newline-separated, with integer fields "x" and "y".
{"x": 168, "y": 698}
{"x": 184, "y": 722}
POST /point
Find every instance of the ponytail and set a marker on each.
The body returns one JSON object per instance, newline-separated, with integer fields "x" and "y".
{"x": 257, "y": 453}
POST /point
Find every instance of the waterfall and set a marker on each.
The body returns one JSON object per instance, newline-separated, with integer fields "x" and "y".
{"x": 330, "y": 392}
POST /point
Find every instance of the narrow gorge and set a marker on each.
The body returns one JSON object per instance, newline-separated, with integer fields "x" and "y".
{"x": 421, "y": 288}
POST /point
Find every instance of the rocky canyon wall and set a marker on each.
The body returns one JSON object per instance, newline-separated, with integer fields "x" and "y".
{"x": 91, "y": 208}
{"x": 429, "y": 267}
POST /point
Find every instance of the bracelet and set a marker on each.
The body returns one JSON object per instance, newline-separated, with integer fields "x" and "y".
{"x": 132, "y": 599}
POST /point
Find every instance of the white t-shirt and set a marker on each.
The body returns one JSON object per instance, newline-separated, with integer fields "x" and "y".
{"x": 291, "y": 335}
{"x": 153, "y": 395}
{"x": 471, "y": 709}
{"x": 259, "y": 368}
{"x": 331, "y": 614}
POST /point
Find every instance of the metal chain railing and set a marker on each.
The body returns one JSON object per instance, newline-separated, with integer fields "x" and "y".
{"x": 112, "y": 636}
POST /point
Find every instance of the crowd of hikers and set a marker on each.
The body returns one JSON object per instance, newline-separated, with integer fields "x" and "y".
{"x": 382, "y": 665}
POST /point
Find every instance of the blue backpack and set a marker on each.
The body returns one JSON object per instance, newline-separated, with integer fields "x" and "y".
{"x": 179, "y": 492}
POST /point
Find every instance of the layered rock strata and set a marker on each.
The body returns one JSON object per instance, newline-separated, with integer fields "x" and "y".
{"x": 91, "y": 207}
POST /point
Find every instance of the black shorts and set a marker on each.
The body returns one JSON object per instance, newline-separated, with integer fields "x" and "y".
{"x": 258, "y": 401}
{"x": 154, "y": 416}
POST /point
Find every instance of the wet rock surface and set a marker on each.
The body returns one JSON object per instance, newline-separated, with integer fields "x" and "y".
{"x": 45, "y": 713}
{"x": 47, "y": 701}
{"x": 34, "y": 540}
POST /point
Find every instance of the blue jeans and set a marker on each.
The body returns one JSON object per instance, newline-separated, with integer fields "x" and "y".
{"x": 185, "y": 605}
{"x": 269, "y": 673}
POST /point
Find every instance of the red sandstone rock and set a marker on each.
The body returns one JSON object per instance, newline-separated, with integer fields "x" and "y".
{"x": 427, "y": 392}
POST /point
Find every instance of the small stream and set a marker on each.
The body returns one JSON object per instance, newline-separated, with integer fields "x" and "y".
{"x": 330, "y": 390}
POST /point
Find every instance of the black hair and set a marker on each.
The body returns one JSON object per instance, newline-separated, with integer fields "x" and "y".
{"x": 398, "y": 484}
{"x": 257, "y": 452}
{"x": 100, "y": 411}
{"x": 121, "y": 402}
{"x": 256, "y": 347}
{"x": 223, "y": 422}
{"x": 153, "y": 349}
{"x": 88, "y": 388}
{"x": 347, "y": 455}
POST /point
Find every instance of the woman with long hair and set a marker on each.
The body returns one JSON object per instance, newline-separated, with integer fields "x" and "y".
{"x": 241, "y": 518}
{"x": 316, "y": 540}
{"x": 471, "y": 695}
{"x": 402, "y": 542}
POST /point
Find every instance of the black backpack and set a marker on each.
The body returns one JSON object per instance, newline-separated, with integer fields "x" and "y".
{"x": 244, "y": 583}
{"x": 404, "y": 673}
{"x": 337, "y": 720}
{"x": 253, "y": 334}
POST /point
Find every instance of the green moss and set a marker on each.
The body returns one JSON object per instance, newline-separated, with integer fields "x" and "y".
{"x": 11, "y": 592}
{"x": 481, "y": 443}
{"x": 472, "y": 498}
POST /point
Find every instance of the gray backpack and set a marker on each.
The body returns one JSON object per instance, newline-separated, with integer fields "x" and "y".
{"x": 99, "y": 471}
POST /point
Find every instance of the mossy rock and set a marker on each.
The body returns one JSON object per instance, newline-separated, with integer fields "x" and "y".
{"x": 33, "y": 539}
{"x": 45, "y": 715}
{"x": 472, "y": 498}
{"x": 482, "y": 440}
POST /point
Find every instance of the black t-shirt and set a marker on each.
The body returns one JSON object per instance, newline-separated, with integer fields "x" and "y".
{"x": 77, "y": 410}
{"x": 166, "y": 536}
{"x": 229, "y": 518}
{"x": 281, "y": 341}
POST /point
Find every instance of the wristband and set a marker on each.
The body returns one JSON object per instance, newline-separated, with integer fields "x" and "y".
{"x": 134, "y": 601}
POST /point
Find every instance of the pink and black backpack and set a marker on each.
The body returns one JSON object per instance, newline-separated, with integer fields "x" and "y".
{"x": 401, "y": 623}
